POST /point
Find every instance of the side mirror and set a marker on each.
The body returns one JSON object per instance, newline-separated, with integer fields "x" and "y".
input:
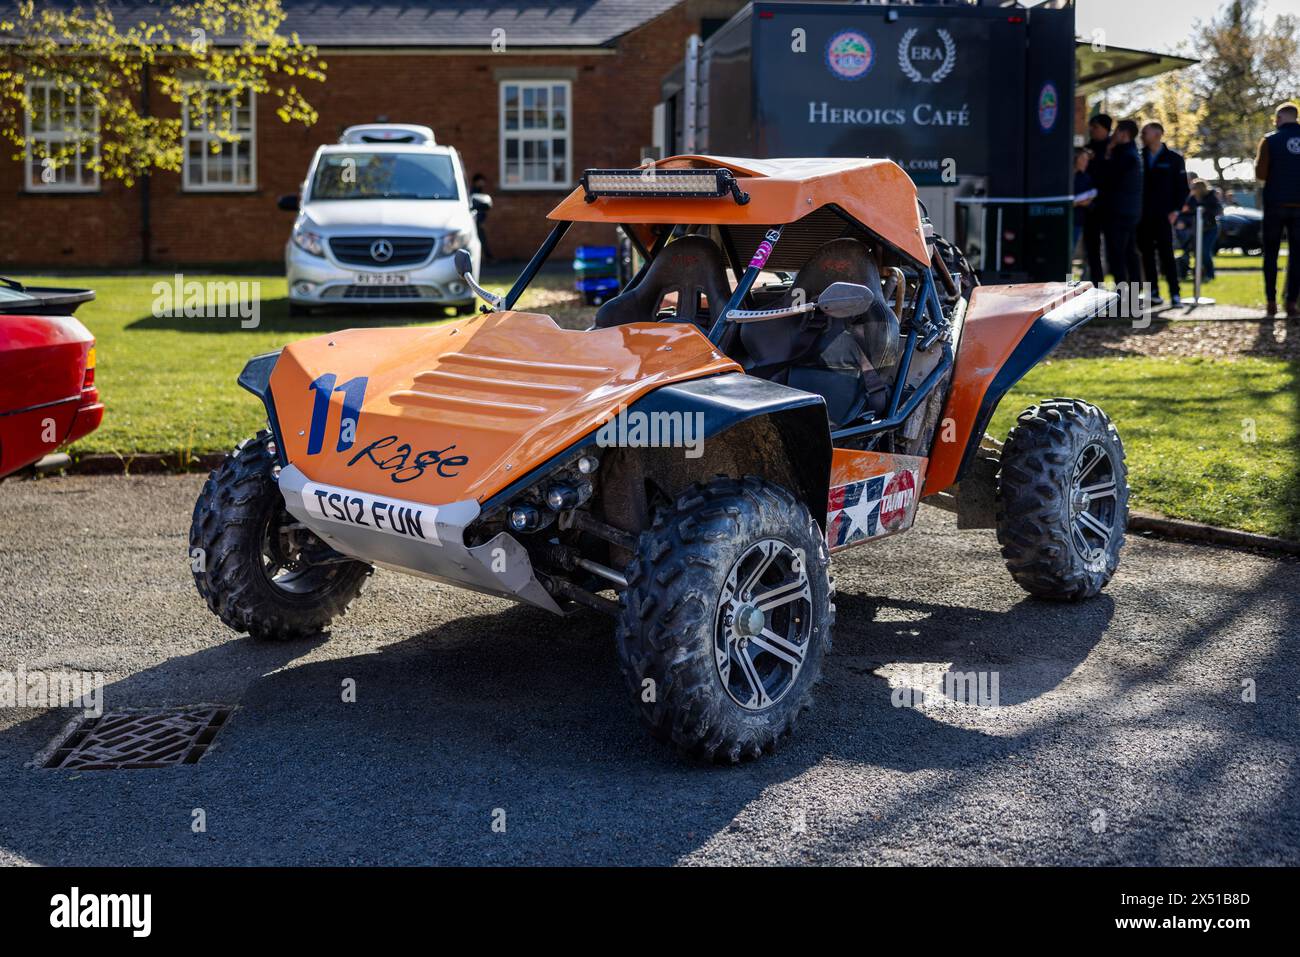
{"x": 844, "y": 300}
{"x": 465, "y": 266}
{"x": 288, "y": 202}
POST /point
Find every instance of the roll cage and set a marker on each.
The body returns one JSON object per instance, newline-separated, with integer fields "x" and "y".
{"x": 928, "y": 322}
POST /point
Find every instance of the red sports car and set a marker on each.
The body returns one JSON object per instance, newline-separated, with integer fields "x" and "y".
{"x": 47, "y": 378}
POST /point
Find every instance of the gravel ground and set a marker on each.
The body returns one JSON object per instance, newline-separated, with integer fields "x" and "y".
{"x": 1216, "y": 339}
{"x": 1121, "y": 735}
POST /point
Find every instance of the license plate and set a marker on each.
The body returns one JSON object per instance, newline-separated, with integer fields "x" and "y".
{"x": 390, "y": 516}
{"x": 382, "y": 279}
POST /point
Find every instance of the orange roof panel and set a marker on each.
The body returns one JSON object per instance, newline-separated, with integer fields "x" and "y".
{"x": 877, "y": 193}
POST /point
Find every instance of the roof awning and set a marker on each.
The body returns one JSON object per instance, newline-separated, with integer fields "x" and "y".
{"x": 1100, "y": 70}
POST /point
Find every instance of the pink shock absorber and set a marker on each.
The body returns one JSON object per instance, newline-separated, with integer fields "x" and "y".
{"x": 763, "y": 251}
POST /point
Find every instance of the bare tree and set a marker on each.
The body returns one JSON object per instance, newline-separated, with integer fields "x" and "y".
{"x": 1247, "y": 67}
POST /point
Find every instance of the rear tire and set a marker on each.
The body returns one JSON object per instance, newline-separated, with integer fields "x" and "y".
{"x": 1062, "y": 500}
{"x": 711, "y": 664}
{"x": 251, "y": 579}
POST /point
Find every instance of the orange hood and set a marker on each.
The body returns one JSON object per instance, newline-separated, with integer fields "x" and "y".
{"x": 461, "y": 410}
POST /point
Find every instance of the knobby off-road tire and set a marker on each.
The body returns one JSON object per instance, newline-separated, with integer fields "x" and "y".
{"x": 242, "y": 570}
{"x": 692, "y": 619}
{"x": 1062, "y": 500}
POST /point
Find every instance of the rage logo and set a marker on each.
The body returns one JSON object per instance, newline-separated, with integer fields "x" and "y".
{"x": 405, "y": 464}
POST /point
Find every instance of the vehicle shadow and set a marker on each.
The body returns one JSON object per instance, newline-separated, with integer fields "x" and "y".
{"x": 272, "y": 315}
{"x": 514, "y": 718}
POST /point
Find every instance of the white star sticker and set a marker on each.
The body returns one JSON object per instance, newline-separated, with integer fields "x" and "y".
{"x": 860, "y": 515}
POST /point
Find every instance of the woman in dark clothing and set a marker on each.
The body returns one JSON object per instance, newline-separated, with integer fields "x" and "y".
{"x": 1201, "y": 196}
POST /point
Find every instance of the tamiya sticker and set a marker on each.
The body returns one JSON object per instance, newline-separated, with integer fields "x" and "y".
{"x": 870, "y": 508}
{"x": 900, "y": 493}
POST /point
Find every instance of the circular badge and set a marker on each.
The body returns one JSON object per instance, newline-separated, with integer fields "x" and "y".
{"x": 1048, "y": 107}
{"x": 849, "y": 55}
{"x": 899, "y": 493}
{"x": 1293, "y": 144}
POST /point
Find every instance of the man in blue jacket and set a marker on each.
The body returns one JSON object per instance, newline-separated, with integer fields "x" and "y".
{"x": 1121, "y": 201}
{"x": 1277, "y": 166}
{"x": 1164, "y": 191}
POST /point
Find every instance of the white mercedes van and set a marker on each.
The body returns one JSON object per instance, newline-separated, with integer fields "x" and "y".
{"x": 380, "y": 216}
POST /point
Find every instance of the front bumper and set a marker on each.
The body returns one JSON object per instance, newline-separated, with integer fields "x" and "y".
{"x": 320, "y": 281}
{"x": 421, "y": 539}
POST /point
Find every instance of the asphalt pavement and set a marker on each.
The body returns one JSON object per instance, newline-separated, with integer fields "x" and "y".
{"x": 1158, "y": 724}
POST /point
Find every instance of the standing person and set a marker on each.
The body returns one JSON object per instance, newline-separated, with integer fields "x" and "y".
{"x": 1098, "y": 140}
{"x": 1121, "y": 202}
{"x": 1277, "y": 166}
{"x": 1164, "y": 191}
{"x": 1085, "y": 193}
{"x": 481, "y": 203}
{"x": 1085, "y": 190}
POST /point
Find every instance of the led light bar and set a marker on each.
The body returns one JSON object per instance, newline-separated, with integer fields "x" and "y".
{"x": 649, "y": 181}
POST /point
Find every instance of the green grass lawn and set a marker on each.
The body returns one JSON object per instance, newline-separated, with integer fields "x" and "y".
{"x": 1187, "y": 426}
{"x": 1238, "y": 281}
{"x": 1229, "y": 288}
{"x": 169, "y": 386}
{"x": 1224, "y": 260}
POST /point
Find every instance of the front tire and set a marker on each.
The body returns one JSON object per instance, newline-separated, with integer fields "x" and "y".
{"x": 726, "y": 619}
{"x": 247, "y": 554}
{"x": 1062, "y": 500}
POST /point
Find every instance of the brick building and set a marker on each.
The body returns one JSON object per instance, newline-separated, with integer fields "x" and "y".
{"x": 595, "y": 65}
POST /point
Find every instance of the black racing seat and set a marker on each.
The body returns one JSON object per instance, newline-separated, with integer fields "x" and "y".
{"x": 848, "y": 362}
{"x": 692, "y": 267}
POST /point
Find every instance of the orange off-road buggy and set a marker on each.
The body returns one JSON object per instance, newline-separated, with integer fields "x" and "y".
{"x": 700, "y": 452}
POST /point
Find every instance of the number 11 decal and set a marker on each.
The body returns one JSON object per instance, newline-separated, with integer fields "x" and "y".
{"x": 354, "y": 393}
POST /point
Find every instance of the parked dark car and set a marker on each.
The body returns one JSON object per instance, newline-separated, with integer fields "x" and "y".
{"x": 1241, "y": 227}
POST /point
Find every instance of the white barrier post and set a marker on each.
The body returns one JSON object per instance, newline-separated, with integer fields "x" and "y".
{"x": 1197, "y": 298}
{"x": 1200, "y": 242}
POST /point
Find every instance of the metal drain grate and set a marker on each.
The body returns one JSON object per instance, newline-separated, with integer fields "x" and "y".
{"x": 158, "y": 739}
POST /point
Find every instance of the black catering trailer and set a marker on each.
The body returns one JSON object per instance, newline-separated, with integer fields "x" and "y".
{"x": 975, "y": 101}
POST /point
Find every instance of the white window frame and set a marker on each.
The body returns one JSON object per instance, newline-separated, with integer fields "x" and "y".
{"x": 521, "y": 135}
{"x": 35, "y": 184}
{"x": 205, "y": 137}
